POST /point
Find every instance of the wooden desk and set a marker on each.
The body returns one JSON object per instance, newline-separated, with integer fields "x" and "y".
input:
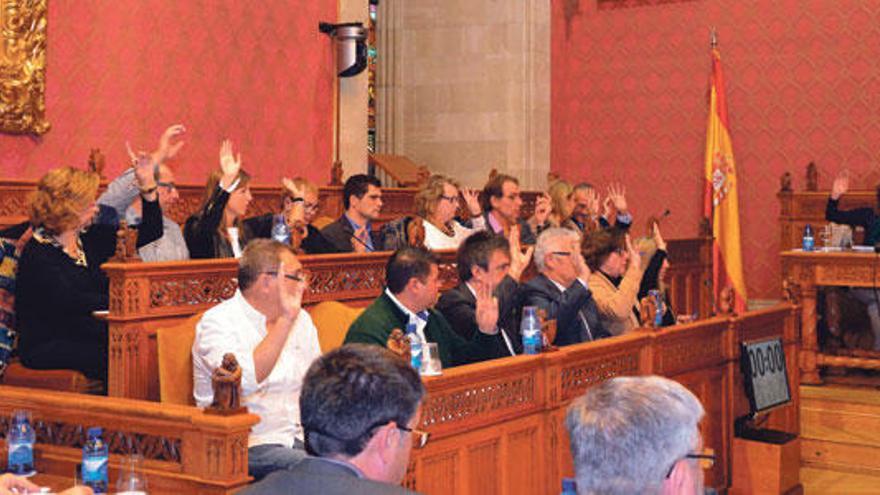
{"x": 808, "y": 271}
{"x": 797, "y": 209}
{"x": 496, "y": 427}
{"x": 148, "y": 296}
{"x": 184, "y": 449}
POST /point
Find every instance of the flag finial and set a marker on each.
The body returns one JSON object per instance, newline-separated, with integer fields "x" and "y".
{"x": 713, "y": 38}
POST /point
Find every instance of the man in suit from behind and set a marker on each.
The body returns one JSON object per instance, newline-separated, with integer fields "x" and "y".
{"x": 360, "y": 409}
{"x": 561, "y": 288}
{"x": 353, "y": 231}
{"x": 488, "y": 260}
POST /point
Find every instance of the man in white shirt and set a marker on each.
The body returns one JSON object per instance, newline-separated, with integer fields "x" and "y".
{"x": 274, "y": 341}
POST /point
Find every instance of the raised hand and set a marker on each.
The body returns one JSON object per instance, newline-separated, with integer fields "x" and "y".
{"x": 606, "y": 205}
{"x": 296, "y": 192}
{"x": 519, "y": 261}
{"x": 593, "y": 203}
{"x": 840, "y": 185}
{"x": 617, "y": 195}
{"x": 145, "y": 175}
{"x": 580, "y": 264}
{"x": 291, "y": 299}
{"x": 487, "y": 309}
{"x": 635, "y": 260}
{"x": 658, "y": 238}
{"x": 230, "y": 164}
{"x": 542, "y": 210}
{"x": 168, "y": 147}
{"x": 472, "y": 200}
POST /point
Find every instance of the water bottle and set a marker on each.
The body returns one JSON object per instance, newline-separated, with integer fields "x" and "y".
{"x": 415, "y": 346}
{"x": 20, "y": 440}
{"x": 280, "y": 230}
{"x": 569, "y": 487}
{"x": 809, "y": 241}
{"x": 131, "y": 477}
{"x": 531, "y": 331}
{"x": 658, "y": 302}
{"x": 94, "y": 462}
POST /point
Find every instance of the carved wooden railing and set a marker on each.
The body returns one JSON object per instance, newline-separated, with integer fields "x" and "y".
{"x": 148, "y": 296}
{"x": 184, "y": 449}
{"x": 397, "y": 201}
{"x": 804, "y": 274}
{"x": 498, "y": 426}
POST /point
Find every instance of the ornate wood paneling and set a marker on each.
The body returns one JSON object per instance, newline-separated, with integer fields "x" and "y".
{"x": 184, "y": 450}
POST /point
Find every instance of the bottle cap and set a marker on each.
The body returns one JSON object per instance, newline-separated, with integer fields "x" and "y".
{"x": 568, "y": 484}
{"x": 95, "y": 431}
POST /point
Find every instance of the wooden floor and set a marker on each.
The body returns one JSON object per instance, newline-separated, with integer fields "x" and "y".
{"x": 840, "y": 439}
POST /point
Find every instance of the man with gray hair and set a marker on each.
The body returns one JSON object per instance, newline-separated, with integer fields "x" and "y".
{"x": 561, "y": 288}
{"x": 637, "y": 435}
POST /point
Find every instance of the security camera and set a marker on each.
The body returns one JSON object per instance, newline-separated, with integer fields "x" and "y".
{"x": 351, "y": 46}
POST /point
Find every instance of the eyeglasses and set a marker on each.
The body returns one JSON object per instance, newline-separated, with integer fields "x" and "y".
{"x": 420, "y": 438}
{"x": 168, "y": 185}
{"x": 311, "y": 206}
{"x": 561, "y": 253}
{"x": 451, "y": 199}
{"x": 296, "y": 277}
{"x": 706, "y": 457}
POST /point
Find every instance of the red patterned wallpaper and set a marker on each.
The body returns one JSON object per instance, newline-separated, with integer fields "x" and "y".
{"x": 629, "y": 103}
{"x": 257, "y": 72}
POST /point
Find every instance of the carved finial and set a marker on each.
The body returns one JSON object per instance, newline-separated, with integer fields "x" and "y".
{"x": 126, "y": 244}
{"x": 790, "y": 290}
{"x": 96, "y": 162}
{"x": 726, "y": 304}
{"x": 812, "y": 177}
{"x": 705, "y": 228}
{"x": 415, "y": 232}
{"x": 226, "y": 382}
{"x": 785, "y": 182}
{"x": 399, "y": 344}
{"x": 336, "y": 174}
{"x": 648, "y": 312}
{"x": 713, "y": 38}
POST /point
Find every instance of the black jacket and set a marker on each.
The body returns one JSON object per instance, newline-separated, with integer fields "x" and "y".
{"x": 859, "y": 217}
{"x": 566, "y": 308}
{"x": 203, "y": 239}
{"x": 459, "y": 306}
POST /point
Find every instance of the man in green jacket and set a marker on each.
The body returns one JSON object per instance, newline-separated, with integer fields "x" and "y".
{"x": 412, "y": 288}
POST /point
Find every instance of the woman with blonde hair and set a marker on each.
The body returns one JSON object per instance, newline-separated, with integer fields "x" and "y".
{"x": 436, "y": 205}
{"x": 59, "y": 283}
{"x": 561, "y": 204}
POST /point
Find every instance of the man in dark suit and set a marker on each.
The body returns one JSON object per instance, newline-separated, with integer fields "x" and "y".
{"x": 353, "y": 231}
{"x": 489, "y": 261}
{"x": 502, "y": 202}
{"x": 360, "y": 406}
{"x": 561, "y": 288}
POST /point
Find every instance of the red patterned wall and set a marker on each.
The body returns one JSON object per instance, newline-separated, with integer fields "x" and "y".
{"x": 257, "y": 72}
{"x": 629, "y": 104}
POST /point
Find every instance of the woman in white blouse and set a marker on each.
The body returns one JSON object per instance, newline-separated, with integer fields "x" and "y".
{"x": 437, "y": 203}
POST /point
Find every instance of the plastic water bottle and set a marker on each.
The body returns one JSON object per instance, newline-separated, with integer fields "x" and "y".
{"x": 94, "y": 462}
{"x": 809, "y": 241}
{"x": 658, "y": 302}
{"x": 569, "y": 487}
{"x": 280, "y": 230}
{"x": 415, "y": 346}
{"x": 20, "y": 440}
{"x": 531, "y": 331}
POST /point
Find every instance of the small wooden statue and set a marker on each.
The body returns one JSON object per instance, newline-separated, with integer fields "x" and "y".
{"x": 648, "y": 312}
{"x": 705, "y": 228}
{"x": 785, "y": 182}
{"x": 415, "y": 233}
{"x": 790, "y": 290}
{"x": 726, "y": 304}
{"x": 96, "y": 162}
{"x": 126, "y": 244}
{"x": 399, "y": 344}
{"x": 226, "y": 382}
{"x": 548, "y": 330}
{"x": 812, "y": 177}
{"x": 336, "y": 174}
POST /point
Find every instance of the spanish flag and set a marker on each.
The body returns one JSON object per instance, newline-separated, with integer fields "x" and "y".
{"x": 721, "y": 190}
